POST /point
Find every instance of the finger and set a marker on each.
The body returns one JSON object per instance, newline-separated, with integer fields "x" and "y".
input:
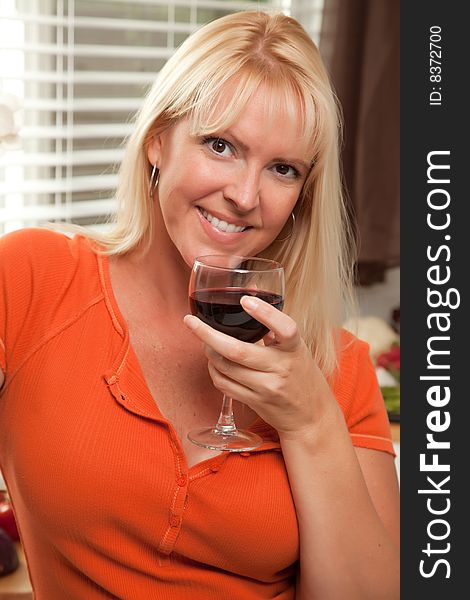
{"x": 276, "y": 384}
{"x": 287, "y": 335}
{"x": 270, "y": 339}
{"x": 253, "y": 379}
{"x": 243, "y": 353}
{"x": 231, "y": 388}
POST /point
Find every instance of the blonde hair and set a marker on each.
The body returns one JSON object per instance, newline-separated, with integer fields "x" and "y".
{"x": 249, "y": 49}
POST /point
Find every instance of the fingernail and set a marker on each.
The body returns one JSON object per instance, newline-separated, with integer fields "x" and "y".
{"x": 191, "y": 321}
{"x": 249, "y": 302}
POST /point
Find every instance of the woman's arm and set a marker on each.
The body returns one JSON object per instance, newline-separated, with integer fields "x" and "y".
{"x": 346, "y": 501}
{"x": 348, "y": 512}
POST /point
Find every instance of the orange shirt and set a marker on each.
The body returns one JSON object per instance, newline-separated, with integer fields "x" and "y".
{"x": 104, "y": 499}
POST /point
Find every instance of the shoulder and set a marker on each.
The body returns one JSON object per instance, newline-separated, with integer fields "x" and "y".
{"x": 34, "y": 243}
{"x": 28, "y": 250}
{"x": 351, "y": 351}
{"x": 46, "y": 279}
{"x": 355, "y": 378}
{"x": 44, "y": 269}
{"x": 25, "y": 255}
{"x": 35, "y": 251}
{"x": 29, "y": 235}
{"x": 359, "y": 396}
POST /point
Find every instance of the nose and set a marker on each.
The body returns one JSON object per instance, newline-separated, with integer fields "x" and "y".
{"x": 243, "y": 191}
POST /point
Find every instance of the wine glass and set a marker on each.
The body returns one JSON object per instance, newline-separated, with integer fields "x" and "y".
{"x": 216, "y": 287}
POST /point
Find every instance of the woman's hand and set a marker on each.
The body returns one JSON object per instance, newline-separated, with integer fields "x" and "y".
{"x": 280, "y": 381}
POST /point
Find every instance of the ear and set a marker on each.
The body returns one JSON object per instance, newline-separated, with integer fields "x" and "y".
{"x": 154, "y": 150}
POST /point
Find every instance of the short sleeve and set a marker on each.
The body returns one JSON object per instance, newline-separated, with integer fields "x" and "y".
{"x": 35, "y": 268}
{"x": 15, "y": 286}
{"x": 358, "y": 393}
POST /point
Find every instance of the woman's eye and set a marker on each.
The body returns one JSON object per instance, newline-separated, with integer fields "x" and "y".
{"x": 219, "y": 146}
{"x": 287, "y": 171}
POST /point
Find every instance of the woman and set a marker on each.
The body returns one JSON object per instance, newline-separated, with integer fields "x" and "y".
{"x": 235, "y": 151}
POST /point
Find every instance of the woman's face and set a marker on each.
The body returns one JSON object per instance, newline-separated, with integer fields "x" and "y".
{"x": 232, "y": 192}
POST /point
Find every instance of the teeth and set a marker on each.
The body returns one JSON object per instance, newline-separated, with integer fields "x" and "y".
{"x": 222, "y": 225}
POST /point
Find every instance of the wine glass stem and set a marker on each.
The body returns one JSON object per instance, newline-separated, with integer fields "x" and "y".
{"x": 226, "y": 422}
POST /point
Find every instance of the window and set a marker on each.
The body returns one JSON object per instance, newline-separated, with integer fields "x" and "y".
{"x": 79, "y": 69}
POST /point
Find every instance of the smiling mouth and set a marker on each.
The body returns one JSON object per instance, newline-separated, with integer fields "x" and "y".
{"x": 221, "y": 225}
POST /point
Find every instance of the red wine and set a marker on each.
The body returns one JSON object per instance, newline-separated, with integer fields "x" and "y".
{"x": 221, "y": 309}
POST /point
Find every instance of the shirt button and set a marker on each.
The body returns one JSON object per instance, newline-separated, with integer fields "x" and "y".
{"x": 175, "y": 521}
{"x": 182, "y": 481}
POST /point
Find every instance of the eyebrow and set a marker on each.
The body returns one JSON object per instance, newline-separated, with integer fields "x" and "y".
{"x": 296, "y": 162}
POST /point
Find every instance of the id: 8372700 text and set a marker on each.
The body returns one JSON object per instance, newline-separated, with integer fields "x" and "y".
{"x": 435, "y": 65}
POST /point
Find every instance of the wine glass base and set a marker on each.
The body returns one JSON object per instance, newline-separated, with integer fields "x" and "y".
{"x": 238, "y": 441}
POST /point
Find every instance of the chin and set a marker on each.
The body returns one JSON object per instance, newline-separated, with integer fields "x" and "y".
{"x": 188, "y": 259}
{"x": 189, "y": 255}
{"x": 190, "y": 251}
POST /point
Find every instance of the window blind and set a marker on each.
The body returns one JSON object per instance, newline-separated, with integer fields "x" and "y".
{"x": 79, "y": 70}
{"x": 309, "y": 13}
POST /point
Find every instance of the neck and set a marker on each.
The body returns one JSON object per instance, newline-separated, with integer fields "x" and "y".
{"x": 160, "y": 273}
{"x": 167, "y": 275}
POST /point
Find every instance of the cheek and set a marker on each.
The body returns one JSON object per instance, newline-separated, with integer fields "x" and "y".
{"x": 190, "y": 182}
{"x": 278, "y": 208}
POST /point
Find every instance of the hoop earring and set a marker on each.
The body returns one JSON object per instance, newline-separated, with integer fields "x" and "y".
{"x": 291, "y": 231}
{"x": 154, "y": 179}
